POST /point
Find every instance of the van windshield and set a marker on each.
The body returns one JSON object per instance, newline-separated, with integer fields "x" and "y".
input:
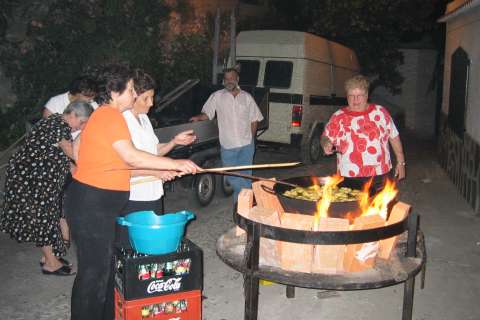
{"x": 278, "y": 74}
{"x": 248, "y": 72}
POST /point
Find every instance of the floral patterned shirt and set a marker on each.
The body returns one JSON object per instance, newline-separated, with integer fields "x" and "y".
{"x": 362, "y": 140}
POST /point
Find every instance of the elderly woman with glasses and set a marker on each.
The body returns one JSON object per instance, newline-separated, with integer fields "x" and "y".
{"x": 360, "y": 134}
{"x": 34, "y": 181}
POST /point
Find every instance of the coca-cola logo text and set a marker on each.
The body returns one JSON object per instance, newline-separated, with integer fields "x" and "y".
{"x": 172, "y": 284}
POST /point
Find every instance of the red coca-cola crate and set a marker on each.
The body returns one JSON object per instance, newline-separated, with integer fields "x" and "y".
{"x": 143, "y": 276}
{"x": 179, "y": 306}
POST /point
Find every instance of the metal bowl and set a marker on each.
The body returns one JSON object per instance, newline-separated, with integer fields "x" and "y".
{"x": 336, "y": 209}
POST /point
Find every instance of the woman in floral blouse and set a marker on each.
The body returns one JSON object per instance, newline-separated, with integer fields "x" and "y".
{"x": 360, "y": 133}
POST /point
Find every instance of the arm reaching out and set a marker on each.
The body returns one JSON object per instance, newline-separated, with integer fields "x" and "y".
{"x": 67, "y": 148}
{"x": 199, "y": 117}
{"x": 183, "y": 138}
{"x": 145, "y": 160}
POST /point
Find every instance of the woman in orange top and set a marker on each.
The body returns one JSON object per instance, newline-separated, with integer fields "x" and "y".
{"x": 100, "y": 190}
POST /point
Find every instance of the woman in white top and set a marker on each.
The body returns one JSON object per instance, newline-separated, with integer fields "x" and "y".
{"x": 147, "y": 195}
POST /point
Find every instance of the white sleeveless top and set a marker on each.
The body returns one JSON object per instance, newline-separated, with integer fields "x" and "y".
{"x": 143, "y": 138}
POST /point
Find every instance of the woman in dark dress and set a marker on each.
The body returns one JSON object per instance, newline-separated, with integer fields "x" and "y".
{"x": 34, "y": 180}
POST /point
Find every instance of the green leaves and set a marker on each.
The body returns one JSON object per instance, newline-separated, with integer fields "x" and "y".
{"x": 57, "y": 40}
{"x": 190, "y": 58}
{"x": 374, "y": 29}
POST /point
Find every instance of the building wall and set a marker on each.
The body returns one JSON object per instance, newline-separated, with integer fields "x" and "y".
{"x": 417, "y": 100}
{"x": 426, "y": 94}
{"x": 462, "y": 31}
{"x": 460, "y": 156}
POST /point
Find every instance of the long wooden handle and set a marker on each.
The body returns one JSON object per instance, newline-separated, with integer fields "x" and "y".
{"x": 235, "y": 174}
{"x": 223, "y": 170}
{"x": 144, "y": 180}
{"x": 235, "y": 168}
{"x": 248, "y": 176}
{"x": 253, "y": 166}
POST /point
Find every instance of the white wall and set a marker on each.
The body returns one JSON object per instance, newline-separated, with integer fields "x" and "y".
{"x": 416, "y": 99}
{"x": 463, "y": 31}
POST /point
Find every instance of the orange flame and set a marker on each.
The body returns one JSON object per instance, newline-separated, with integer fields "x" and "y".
{"x": 364, "y": 200}
{"x": 316, "y": 185}
{"x": 326, "y": 199}
{"x": 379, "y": 204}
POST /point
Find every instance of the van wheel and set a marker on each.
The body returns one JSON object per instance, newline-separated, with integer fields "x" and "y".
{"x": 204, "y": 187}
{"x": 226, "y": 187}
{"x": 311, "y": 149}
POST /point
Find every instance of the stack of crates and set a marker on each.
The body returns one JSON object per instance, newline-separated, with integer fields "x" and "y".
{"x": 160, "y": 287}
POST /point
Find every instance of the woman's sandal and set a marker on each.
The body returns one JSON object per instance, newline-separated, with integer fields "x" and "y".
{"x": 62, "y": 271}
{"x": 65, "y": 263}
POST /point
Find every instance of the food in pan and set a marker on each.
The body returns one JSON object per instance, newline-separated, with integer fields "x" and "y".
{"x": 314, "y": 193}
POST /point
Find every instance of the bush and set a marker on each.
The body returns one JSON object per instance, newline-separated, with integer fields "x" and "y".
{"x": 64, "y": 38}
{"x": 190, "y": 58}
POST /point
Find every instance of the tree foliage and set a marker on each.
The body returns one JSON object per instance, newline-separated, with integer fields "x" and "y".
{"x": 45, "y": 44}
{"x": 190, "y": 57}
{"x": 374, "y": 29}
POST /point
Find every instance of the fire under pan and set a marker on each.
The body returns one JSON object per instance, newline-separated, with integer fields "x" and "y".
{"x": 408, "y": 259}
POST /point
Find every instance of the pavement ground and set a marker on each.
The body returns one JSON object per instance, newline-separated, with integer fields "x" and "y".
{"x": 451, "y": 229}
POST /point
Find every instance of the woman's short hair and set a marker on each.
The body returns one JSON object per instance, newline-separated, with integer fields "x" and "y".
{"x": 357, "y": 82}
{"x": 84, "y": 85}
{"x": 111, "y": 78}
{"x": 142, "y": 81}
{"x": 80, "y": 108}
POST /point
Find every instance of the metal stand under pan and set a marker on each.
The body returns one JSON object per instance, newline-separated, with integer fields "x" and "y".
{"x": 408, "y": 259}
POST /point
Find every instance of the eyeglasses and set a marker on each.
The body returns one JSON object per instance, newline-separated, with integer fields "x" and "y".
{"x": 356, "y": 97}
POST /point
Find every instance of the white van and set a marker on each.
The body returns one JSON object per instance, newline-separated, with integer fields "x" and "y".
{"x": 305, "y": 74}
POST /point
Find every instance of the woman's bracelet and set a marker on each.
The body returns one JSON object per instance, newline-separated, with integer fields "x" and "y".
{"x": 401, "y": 163}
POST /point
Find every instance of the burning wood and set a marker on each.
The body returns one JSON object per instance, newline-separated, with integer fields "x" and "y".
{"x": 244, "y": 204}
{"x": 245, "y": 201}
{"x": 326, "y": 199}
{"x": 267, "y": 199}
{"x": 379, "y": 204}
{"x": 269, "y": 249}
{"x": 329, "y": 259}
{"x": 296, "y": 256}
{"x": 399, "y": 212}
{"x": 362, "y": 256}
{"x": 373, "y": 213}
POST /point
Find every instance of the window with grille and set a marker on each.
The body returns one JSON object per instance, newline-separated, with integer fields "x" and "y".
{"x": 459, "y": 71}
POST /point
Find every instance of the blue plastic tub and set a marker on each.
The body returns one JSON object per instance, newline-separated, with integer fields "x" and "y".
{"x": 153, "y": 234}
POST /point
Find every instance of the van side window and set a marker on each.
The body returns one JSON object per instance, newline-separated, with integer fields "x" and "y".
{"x": 248, "y": 72}
{"x": 278, "y": 74}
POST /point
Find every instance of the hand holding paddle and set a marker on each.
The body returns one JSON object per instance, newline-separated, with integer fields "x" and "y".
{"x": 224, "y": 170}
